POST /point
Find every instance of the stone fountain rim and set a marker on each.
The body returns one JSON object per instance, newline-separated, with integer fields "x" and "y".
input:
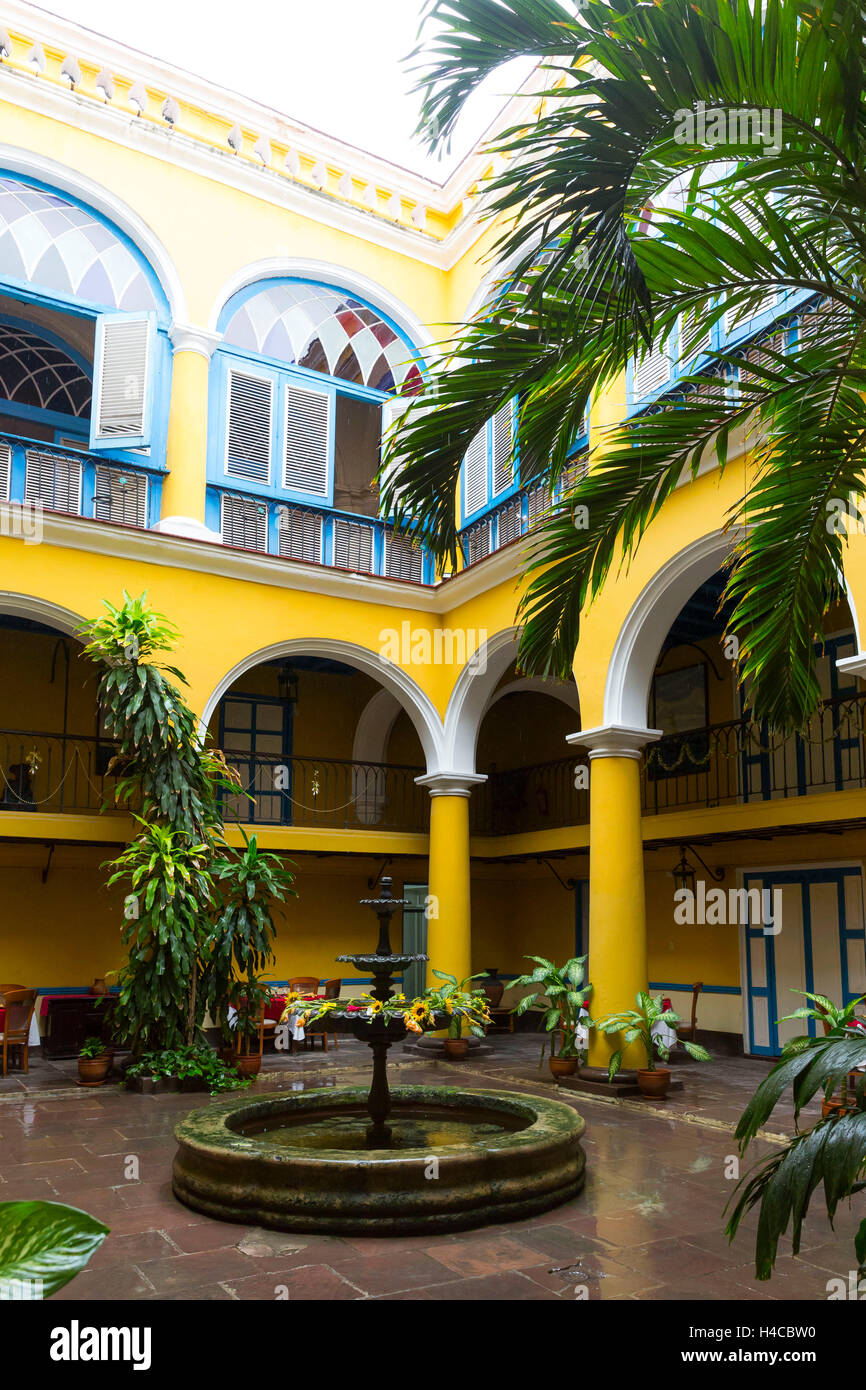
{"x": 207, "y": 1128}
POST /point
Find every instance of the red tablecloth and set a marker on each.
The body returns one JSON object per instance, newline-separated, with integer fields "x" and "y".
{"x": 45, "y": 1000}
{"x": 277, "y": 1003}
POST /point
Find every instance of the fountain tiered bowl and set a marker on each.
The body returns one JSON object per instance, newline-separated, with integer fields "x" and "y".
{"x": 345, "y": 1160}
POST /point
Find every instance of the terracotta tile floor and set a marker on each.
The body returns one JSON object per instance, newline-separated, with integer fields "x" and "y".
{"x": 648, "y": 1225}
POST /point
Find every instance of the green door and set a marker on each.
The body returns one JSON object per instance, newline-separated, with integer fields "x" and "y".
{"x": 415, "y": 938}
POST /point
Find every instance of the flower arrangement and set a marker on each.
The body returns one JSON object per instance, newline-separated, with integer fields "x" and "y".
{"x": 450, "y": 999}
{"x": 459, "y": 1003}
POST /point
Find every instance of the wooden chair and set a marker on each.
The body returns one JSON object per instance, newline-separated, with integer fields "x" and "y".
{"x": 331, "y": 991}
{"x": 503, "y": 1019}
{"x": 689, "y": 1030}
{"x": 19, "y": 1004}
{"x": 304, "y": 984}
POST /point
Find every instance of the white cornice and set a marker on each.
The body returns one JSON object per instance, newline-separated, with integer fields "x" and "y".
{"x": 614, "y": 740}
{"x": 187, "y": 337}
{"x": 451, "y": 783}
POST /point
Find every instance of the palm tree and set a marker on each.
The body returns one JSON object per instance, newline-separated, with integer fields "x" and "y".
{"x": 632, "y": 205}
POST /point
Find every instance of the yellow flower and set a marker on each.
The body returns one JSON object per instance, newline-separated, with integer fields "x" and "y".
{"x": 375, "y": 1006}
{"x": 411, "y": 1023}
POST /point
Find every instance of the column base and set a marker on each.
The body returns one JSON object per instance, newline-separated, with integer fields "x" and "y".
{"x": 594, "y": 1081}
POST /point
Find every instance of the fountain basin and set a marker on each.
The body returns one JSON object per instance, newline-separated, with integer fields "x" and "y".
{"x": 483, "y": 1156}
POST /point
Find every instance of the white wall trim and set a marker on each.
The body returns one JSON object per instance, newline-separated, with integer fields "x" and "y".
{"x": 68, "y": 180}
{"x": 410, "y": 696}
{"x": 340, "y": 276}
{"x": 471, "y": 694}
{"x": 641, "y": 636}
{"x": 41, "y": 611}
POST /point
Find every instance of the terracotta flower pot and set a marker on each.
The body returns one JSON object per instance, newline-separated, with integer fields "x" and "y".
{"x": 654, "y": 1082}
{"x": 834, "y": 1107}
{"x": 92, "y": 1071}
{"x": 247, "y": 1063}
{"x": 99, "y": 987}
{"x": 562, "y": 1066}
{"x": 455, "y": 1048}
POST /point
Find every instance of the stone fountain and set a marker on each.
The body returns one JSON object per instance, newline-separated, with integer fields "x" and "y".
{"x": 344, "y": 1160}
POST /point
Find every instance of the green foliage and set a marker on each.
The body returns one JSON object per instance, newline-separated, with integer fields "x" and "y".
{"x": 197, "y": 1061}
{"x": 461, "y": 1004}
{"x": 242, "y": 939}
{"x": 566, "y": 995}
{"x": 832, "y": 1153}
{"x": 594, "y": 283}
{"x": 636, "y": 1025}
{"x": 195, "y": 909}
{"x": 43, "y": 1245}
{"x": 92, "y": 1047}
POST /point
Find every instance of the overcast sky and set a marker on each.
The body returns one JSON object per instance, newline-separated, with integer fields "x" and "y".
{"x": 335, "y": 64}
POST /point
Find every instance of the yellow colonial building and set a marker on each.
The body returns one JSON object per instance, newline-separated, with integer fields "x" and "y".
{"x": 209, "y": 313}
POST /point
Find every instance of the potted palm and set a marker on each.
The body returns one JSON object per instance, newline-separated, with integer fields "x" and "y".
{"x": 249, "y": 1003}
{"x": 566, "y": 997}
{"x": 837, "y": 1022}
{"x": 94, "y": 1062}
{"x": 462, "y": 1005}
{"x": 654, "y": 1027}
{"x": 829, "y": 1154}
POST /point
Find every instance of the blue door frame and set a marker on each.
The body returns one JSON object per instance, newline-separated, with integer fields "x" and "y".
{"x": 805, "y": 878}
{"x": 250, "y": 729}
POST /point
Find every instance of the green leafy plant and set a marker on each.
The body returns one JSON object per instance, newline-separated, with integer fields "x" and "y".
{"x": 636, "y": 1025}
{"x": 241, "y": 943}
{"x": 92, "y": 1047}
{"x": 462, "y": 1005}
{"x": 565, "y": 994}
{"x": 43, "y": 1245}
{"x": 249, "y": 999}
{"x": 196, "y": 1062}
{"x": 831, "y": 1153}
{"x": 618, "y": 222}
{"x": 196, "y": 911}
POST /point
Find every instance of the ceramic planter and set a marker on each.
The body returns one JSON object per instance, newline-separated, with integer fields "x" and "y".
{"x": 247, "y": 1063}
{"x": 455, "y": 1048}
{"x": 655, "y": 1082}
{"x": 92, "y": 1071}
{"x": 562, "y": 1066}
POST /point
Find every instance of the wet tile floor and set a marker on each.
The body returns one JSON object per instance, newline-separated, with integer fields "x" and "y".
{"x": 648, "y": 1225}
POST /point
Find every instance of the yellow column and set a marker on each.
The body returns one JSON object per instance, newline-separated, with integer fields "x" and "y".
{"x": 449, "y": 925}
{"x": 617, "y": 898}
{"x": 183, "y": 492}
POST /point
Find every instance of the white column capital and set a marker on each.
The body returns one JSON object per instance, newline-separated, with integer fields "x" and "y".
{"x": 853, "y": 665}
{"x": 186, "y": 337}
{"x": 614, "y": 740}
{"x": 451, "y": 783}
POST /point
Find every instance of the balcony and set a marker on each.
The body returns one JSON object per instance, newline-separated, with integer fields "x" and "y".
{"x": 67, "y": 479}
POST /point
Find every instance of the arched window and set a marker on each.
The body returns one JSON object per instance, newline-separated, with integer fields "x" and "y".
{"x": 41, "y": 375}
{"x": 306, "y": 380}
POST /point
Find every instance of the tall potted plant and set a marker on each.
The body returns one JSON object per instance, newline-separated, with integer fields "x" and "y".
{"x": 832, "y": 1153}
{"x": 566, "y": 997}
{"x": 462, "y": 1005}
{"x": 649, "y": 1024}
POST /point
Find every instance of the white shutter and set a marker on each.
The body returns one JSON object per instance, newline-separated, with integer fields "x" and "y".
{"x": 392, "y": 413}
{"x": 652, "y": 374}
{"x": 54, "y": 480}
{"x": 5, "y": 470}
{"x": 503, "y": 447}
{"x": 736, "y": 316}
{"x": 248, "y": 433}
{"x": 300, "y": 534}
{"x": 353, "y": 546}
{"x": 306, "y": 465}
{"x": 694, "y": 341}
{"x": 122, "y": 372}
{"x": 475, "y": 474}
{"x": 120, "y": 497}
{"x": 244, "y": 522}
{"x": 574, "y": 474}
{"x": 403, "y": 558}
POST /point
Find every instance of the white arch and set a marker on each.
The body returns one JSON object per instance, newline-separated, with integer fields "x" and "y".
{"x": 378, "y": 718}
{"x": 340, "y": 276}
{"x": 68, "y": 180}
{"x": 534, "y": 685}
{"x": 41, "y": 611}
{"x": 411, "y": 697}
{"x": 642, "y": 635}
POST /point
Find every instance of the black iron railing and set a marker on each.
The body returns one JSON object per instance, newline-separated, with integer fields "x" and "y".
{"x": 329, "y": 793}
{"x": 537, "y": 797}
{"x": 54, "y": 772}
